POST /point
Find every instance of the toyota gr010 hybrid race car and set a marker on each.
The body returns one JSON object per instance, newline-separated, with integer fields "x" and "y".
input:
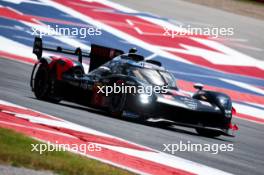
{"x": 56, "y": 78}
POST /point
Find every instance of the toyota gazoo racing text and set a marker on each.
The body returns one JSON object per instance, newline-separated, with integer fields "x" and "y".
{"x": 56, "y": 78}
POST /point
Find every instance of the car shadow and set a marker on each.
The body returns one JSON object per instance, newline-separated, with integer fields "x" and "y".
{"x": 161, "y": 125}
{"x": 175, "y": 128}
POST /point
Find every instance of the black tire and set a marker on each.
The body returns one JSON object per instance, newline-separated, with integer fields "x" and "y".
{"x": 164, "y": 124}
{"x": 117, "y": 104}
{"x": 207, "y": 132}
{"x": 42, "y": 84}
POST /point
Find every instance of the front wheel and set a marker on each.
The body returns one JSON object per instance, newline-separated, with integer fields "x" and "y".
{"x": 117, "y": 104}
{"x": 207, "y": 132}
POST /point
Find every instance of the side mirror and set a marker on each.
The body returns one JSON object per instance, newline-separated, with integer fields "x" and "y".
{"x": 132, "y": 50}
{"x": 198, "y": 86}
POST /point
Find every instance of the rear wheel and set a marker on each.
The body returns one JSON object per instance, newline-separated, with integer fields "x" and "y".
{"x": 42, "y": 84}
{"x": 207, "y": 132}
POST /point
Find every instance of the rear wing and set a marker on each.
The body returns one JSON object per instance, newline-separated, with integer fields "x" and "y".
{"x": 98, "y": 54}
{"x": 38, "y": 49}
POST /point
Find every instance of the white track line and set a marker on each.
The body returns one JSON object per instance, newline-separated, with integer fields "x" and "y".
{"x": 114, "y": 31}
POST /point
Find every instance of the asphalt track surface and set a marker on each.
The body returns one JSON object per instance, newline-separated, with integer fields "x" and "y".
{"x": 248, "y": 30}
{"x": 247, "y": 157}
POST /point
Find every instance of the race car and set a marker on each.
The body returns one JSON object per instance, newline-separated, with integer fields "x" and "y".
{"x": 56, "y": 77}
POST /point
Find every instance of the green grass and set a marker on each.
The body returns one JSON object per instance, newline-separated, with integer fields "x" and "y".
{"x": 15, "y": 150}
{"x": 256, "y": 2}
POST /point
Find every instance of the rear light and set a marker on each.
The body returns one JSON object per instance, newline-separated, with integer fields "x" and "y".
{"x": 233, "y": 111}
{"x": 233, "y": 127}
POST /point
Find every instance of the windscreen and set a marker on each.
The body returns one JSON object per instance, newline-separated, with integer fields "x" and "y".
{"x": 154, "y": 77}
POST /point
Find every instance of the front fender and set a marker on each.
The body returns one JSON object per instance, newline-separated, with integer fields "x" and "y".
{"x": 219, "y": 99}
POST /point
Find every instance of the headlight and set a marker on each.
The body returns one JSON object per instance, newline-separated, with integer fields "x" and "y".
{"x": 223, "y": 100}
{"x": 144, "y": 98}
